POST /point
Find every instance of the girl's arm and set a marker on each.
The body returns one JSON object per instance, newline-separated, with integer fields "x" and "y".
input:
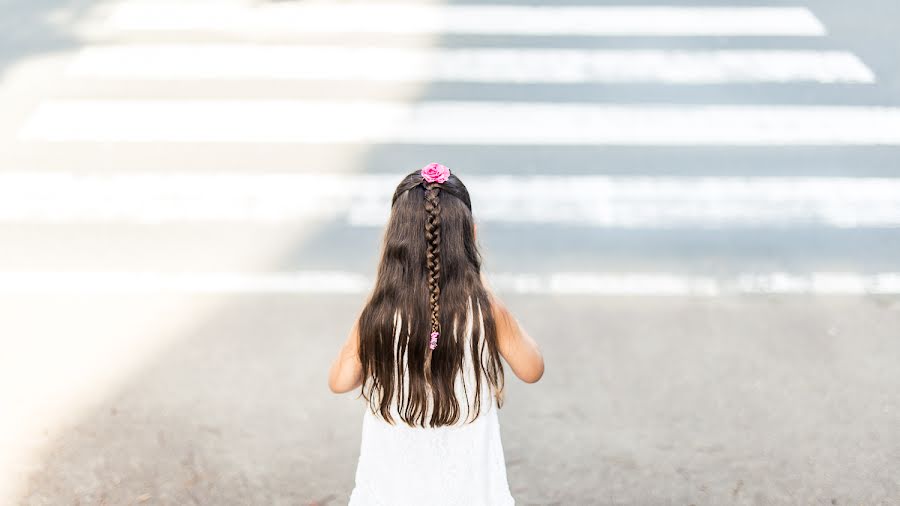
{"x": 515, "y": 345}
{"x": 346, "y": 370}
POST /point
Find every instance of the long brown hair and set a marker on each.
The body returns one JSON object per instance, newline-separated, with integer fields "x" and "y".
{"x": 430, "y": 273}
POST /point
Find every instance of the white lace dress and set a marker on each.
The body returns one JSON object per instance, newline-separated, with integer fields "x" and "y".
{"x": 461, "y": 465}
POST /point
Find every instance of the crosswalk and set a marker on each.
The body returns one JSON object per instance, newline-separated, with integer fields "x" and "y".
{"x": 140, "y": 44}
{"x": 189, "y": 185}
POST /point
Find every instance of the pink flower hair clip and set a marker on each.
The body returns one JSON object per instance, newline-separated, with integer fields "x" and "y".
{"x": 435, "y": 172}
{"x": 434, "y": 336}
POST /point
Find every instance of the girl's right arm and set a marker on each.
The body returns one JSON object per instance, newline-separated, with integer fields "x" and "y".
{"x": 515, "y": 345}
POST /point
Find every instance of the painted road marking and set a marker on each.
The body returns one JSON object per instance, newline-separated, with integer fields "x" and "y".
{"x": 560, "y": 283}
{"x": 290, "y": 62}
{"x": 299, "y": 18}
{"x": 454, "y": 122}
{"x": 364, "y": 199}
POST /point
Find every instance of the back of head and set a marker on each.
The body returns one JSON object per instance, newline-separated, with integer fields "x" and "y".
{"x": 430, "y": 275}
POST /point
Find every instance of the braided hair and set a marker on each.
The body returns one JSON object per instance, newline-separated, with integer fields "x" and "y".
{"x": 433, "y": 257}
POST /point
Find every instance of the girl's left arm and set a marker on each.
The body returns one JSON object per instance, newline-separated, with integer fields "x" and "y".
{"x": 346, "y": 370}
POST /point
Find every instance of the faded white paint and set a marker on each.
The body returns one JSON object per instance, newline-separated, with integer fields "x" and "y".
{"x": 453, "y": 122}
{"x": 292, "y": 62}
{"x": 298, "y": 18}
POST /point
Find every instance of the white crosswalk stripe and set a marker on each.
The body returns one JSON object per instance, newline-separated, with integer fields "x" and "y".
{"x": 294, "y": 18}
{"x": 450, "y": 122}
{"x": 364, "y": 200}
{"x": 282, "y": 62}
{"x": 560, "y": 283}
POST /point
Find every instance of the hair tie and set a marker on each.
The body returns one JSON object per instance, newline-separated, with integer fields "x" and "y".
{"x": 434, "y": 337}
{"x": 435, "y": 172}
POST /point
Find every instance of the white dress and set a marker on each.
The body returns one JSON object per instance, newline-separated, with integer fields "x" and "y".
{"x": 461, "y": 465}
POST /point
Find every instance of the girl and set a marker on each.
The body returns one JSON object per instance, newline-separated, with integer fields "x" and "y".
{"x": 426, "y": 353}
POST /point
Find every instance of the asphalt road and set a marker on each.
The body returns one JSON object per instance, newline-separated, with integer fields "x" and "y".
{"x": 719, "y": 310}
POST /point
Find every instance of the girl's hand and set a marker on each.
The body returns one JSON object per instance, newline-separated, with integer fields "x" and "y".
{"x": 521, "y": 352}
{"x": 346, "y": 370}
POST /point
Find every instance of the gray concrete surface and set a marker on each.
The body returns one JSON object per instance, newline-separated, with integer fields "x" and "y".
{"x": 757, "y": 400}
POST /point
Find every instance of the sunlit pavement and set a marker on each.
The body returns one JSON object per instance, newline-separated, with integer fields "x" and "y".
{"x": 693, "y": 208}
